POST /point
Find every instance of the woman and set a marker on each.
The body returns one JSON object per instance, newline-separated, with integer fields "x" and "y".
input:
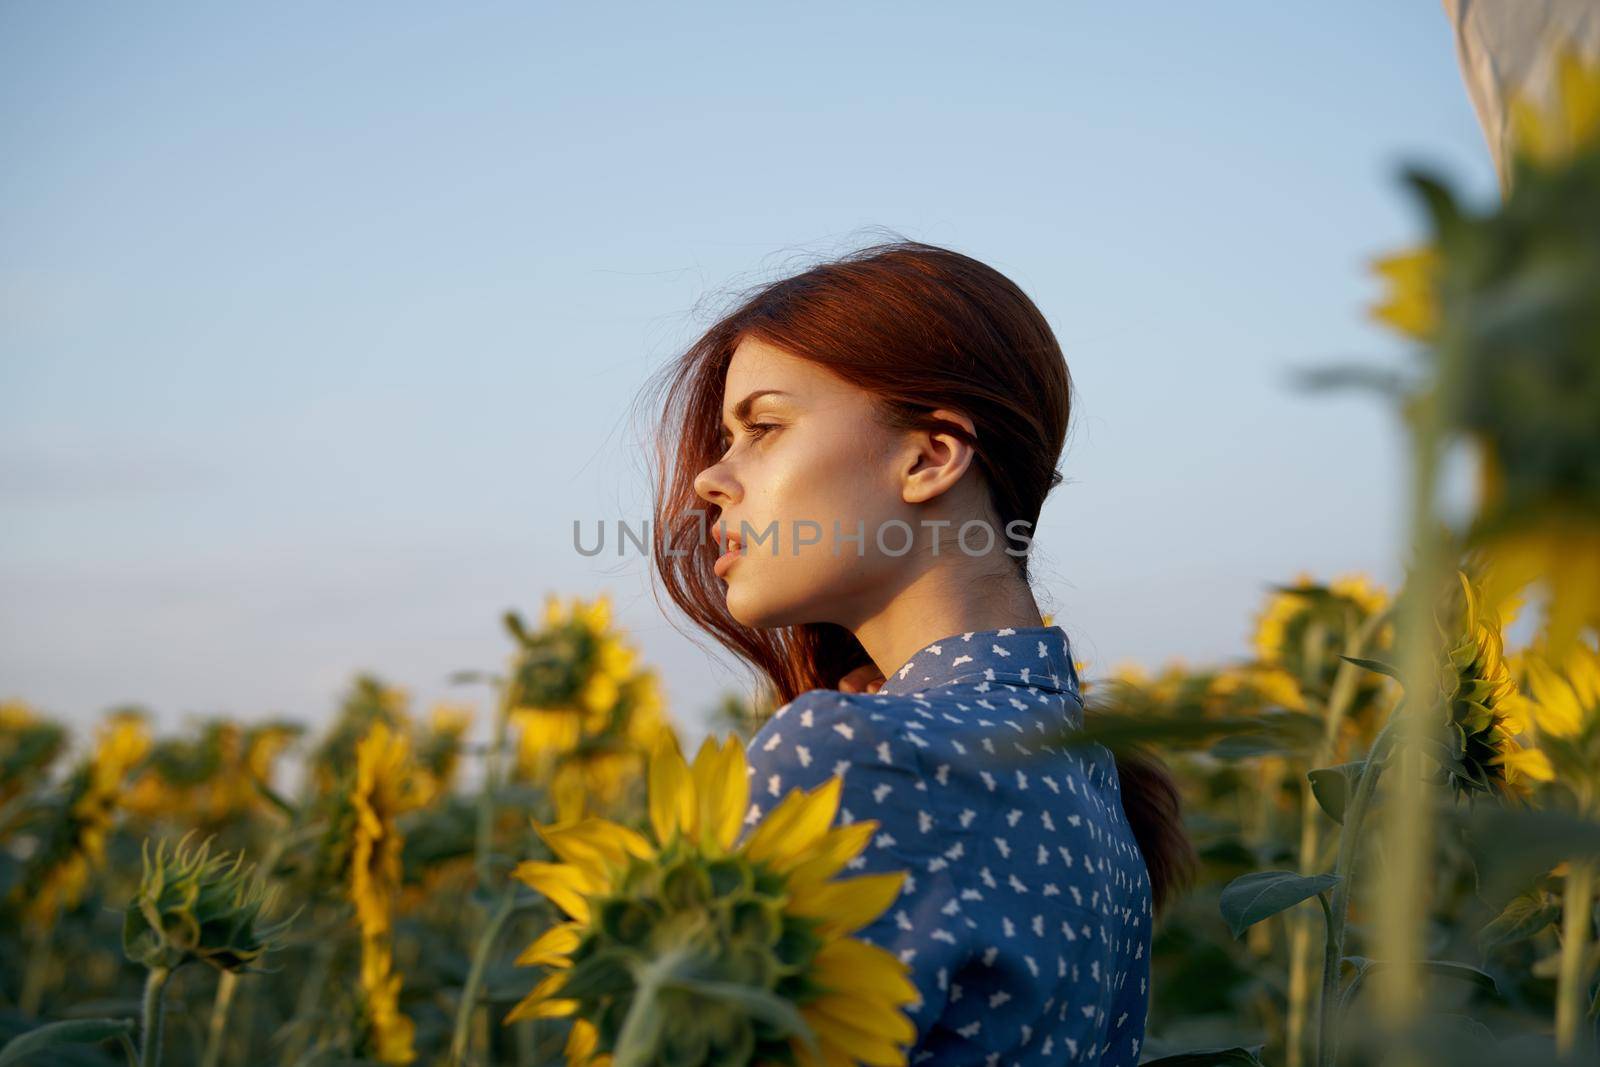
{"x": 870, "y": 442}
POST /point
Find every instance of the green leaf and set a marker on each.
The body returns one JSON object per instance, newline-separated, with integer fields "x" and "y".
{"x": 1526, "y": 915}
{"x": 1351, "y": 376}
{"x": 1246, "y": 746}
{"x": 1375, "y": 665}
{"x": 68, "y": 1032}
{"x": 1333, "y": 787}
{"x": 274, "y": 798}
{"x": 1443, "y": 968}
{"x": 1252, "y": 897}
{"x": 1440, "y": 201}
{"x": 1515, "y": 846}
{"x": 1236, "y": 1056}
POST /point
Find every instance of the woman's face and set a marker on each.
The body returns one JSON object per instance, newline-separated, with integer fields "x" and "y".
{"x": 804, "y": 451}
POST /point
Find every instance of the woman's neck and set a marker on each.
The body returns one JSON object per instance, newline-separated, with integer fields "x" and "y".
{"x": 941, "y": 601}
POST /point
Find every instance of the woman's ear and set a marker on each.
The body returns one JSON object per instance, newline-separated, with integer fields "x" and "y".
{"x": 937, "y": 458}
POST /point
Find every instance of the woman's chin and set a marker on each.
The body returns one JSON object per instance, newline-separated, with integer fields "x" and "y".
{"x": 758, "y": 610}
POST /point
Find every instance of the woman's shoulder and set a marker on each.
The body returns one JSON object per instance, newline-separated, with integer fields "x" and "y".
{"x": 864, "y": 723}
{"x": 825, "y": 733}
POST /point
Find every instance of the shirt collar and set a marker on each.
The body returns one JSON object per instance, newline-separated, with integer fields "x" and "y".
{"x": 1038, "y": 657}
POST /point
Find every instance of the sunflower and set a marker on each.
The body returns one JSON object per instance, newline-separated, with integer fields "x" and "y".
{"x": 387, "y": 785}
{"x": 1483, "y": 715}
{"x": 1564, "y": 711}
{"x": 81, "y": 817}
{"x": 705, "y": 950}
{"x": 390, "y": 1031}
{"x": 1506, "y": 301}
{"x": 1302, "y": 631}
{"x": 439, "y": 749}
{"x": 28, "y": 748}
{"x": 586, "y": 714}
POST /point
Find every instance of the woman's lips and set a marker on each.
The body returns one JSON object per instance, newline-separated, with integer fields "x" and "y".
{"x": 727, "y": 559}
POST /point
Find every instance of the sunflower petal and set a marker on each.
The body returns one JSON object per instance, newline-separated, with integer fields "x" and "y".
{"x": 829, "y": 856}
{"x": 542, "y": 1003}
{"x": 846, "y": 906}
{"x": 792, "y": 828}
{"x": 672, "y": 801}
{"x": 720, "y": 794}
{"x": 565, "y": 885}
{"x": 854, "y": 967}
{"x": 859, "y": 1045}
{"x": 887, "y": 1023}
{"x": 552, "y": 948}
{"x": 581, "y": 1040}
{"x": 598, "y": 846}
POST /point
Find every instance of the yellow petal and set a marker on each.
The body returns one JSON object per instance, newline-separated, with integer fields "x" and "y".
{"x": 828, "y": 1055}
{"x": 551, "y": 948}
{"x": 722, "y": 792}
{"x": 796, "y": 823}
{"x": 837, "y": 848}
{"x": 848, "y": 905}
{"x": 851, "y": 966}
{"x": 672, "y": 799}
{"x": 1410, "y": 304}
{"x": 581, "y": 1040}
{"x": 565, "y": 885}
{"x": 597, "y": 846}
{"x": 859, "y": 1045}
{"x": 1529, "y": 761}
{"x": 890, "y": 1024}
{"x": 542, "y": 1002}
{"x": 810, "y": 822}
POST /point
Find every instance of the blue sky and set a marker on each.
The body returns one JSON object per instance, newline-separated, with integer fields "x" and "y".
{"x": 319, "y": 324}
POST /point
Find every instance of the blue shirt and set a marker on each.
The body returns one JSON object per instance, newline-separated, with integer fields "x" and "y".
{"x": 1026, "y": 916}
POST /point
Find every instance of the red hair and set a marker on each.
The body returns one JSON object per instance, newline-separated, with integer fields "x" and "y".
{"x": 917, "y": 327}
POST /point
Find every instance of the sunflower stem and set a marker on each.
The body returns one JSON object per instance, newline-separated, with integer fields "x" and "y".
{"x": 466, "y": 1007}
{"x": 492, "y": 760}
{"x": 155, "y": 985}
{"x": 1572, "y": 982}
{"x": 641, "y": 1028}
{"x": 217, "y": 1030}
{"x": 1401, "y": 910}
{"x": 1341, "y": 696}
{"x": 34, "y": 971}
{"x": 1338, "y": 911}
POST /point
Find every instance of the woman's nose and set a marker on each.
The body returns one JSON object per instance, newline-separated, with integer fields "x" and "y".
{"x": 716, "y": 485}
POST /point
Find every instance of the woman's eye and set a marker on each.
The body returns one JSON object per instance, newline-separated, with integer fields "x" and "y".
{"x": 756, "y": 430}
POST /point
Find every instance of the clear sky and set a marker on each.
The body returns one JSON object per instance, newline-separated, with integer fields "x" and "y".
{"x": 319, "y": 323}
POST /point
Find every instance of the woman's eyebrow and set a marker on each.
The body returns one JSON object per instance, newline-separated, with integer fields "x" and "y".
{"x": 741, "y": 410}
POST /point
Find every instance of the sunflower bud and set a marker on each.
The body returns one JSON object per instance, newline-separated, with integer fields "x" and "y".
{"x": 195, "y": 906}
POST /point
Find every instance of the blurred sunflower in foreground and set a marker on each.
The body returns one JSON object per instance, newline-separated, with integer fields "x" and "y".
{"x": 1507, "y": 304}
{"x": 688, "y": 950}
{"x": 1563, "y": 710}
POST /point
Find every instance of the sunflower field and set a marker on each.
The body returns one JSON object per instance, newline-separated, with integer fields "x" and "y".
{"x": 1396, "y": 805}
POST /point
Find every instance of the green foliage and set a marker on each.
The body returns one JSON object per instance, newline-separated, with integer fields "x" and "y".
{"x": 195, "y": 906}
{"x": 1253, "y": 897}
{"x": 51, "y": 1037}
